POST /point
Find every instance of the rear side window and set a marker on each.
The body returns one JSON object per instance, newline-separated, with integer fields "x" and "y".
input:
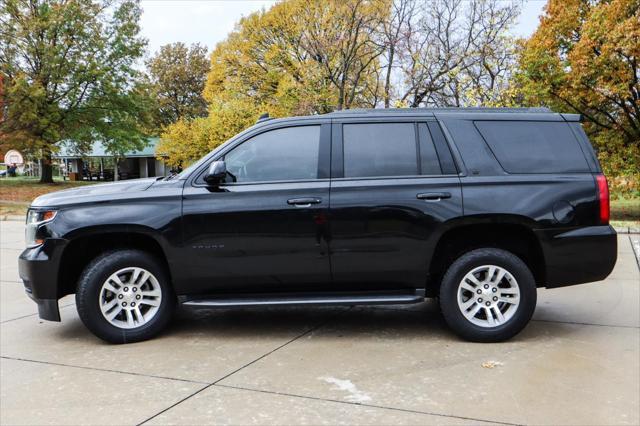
{"x": 380, "y": 149}
{"x": 533, "y": 146}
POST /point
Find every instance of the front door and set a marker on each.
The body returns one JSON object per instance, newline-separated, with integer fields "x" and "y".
{"x": 264, "y": 229}
{"x": 394, "y": 185}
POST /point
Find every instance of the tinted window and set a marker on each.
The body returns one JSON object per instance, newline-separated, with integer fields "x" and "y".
{"x": 586, "y": 146}
{"x": 533, "y": 146}
{"x": 429, "y": 163}
{"x": 380, "y": 149}
{"x": 282, "y": 154}
{"x": 442, "y": 148}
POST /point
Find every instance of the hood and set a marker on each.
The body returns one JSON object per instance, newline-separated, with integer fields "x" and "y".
{"x": 94, "y": 193}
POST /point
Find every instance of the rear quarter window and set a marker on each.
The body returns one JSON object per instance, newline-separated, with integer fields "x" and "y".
{"x": 533, "y": 146}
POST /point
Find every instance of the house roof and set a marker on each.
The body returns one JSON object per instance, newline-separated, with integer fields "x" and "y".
{"x": 68, "y": 150}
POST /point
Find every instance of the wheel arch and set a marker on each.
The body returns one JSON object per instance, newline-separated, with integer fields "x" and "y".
{"x": 88, "y": 243}
{"x": 508, "y": 232}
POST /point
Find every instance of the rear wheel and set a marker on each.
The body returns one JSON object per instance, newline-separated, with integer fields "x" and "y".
{"x": 488, "y": 295}
{"x": 124, "y": 296}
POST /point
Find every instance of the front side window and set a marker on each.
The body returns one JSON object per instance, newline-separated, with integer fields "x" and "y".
{"x": 289, "y": 153}
{"x": 380, "y": 149}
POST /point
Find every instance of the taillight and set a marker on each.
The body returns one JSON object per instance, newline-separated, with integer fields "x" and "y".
{"x": 603, "y": 198}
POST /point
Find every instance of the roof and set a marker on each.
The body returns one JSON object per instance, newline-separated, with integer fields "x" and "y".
{"x": 67, "y": 150}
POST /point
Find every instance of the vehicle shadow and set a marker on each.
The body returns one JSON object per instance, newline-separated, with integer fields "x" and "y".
{"x": 389, "y": 322}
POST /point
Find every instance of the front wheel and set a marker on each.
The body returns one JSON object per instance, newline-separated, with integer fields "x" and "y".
{"x": 124, "y": 296}
{"x": 488, "y": 295}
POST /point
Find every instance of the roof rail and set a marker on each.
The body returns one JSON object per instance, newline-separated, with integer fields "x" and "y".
{"x": 444, "y": 109}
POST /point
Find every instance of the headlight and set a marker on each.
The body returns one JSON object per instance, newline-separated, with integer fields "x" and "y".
{"x": 35, "y": 218}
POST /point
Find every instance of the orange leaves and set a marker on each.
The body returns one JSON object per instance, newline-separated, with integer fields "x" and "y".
{"x": 585, "y": 57}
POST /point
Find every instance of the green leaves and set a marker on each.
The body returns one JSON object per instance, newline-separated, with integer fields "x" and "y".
{"x": 176, "y": 77}
{"x": 69, "y": 73}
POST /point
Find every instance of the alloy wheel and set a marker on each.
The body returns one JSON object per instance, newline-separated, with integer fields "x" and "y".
{"x": 130, "y": 297}
{"x": 488, "y": 296}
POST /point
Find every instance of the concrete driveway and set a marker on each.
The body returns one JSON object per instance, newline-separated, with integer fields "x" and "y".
{"x": 578, "y": 362}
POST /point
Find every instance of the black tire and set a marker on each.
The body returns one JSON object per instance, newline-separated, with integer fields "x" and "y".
{"x": 90, "y": 285}
{"x": 449, "y": 295}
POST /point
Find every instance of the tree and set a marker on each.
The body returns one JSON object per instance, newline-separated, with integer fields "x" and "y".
{"x": 299, "y": 51}
{"x": 299, "y": 57}
{"x": 584, "y": 57}
{"x": 339, "y": 38}
{"x": 177, "y": 75}
{"x": 457, "y": 53}
{"x": 69, "y": 68}
{"x": 187, "y": 140}
{"x": 393, "y": 32}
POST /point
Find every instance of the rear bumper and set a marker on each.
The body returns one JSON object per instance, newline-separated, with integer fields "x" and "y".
{"x": 38, "y": 268}
{"x": 579, "y": 256}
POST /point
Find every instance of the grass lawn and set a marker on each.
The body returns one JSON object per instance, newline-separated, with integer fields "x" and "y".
{"x": 17, "y": 209}
{"x": 626, "y": 212}
{"x": 17, "y": 193}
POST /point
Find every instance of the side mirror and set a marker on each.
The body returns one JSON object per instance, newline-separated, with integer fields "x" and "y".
{"x": 217, "y": 173}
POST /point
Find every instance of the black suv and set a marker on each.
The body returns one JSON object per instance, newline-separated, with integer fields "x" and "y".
{"x": 477, "y": 207}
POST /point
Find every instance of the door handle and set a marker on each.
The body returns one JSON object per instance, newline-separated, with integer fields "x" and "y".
{"x": 304, "y": 202}
{"x": 433, "y": 196}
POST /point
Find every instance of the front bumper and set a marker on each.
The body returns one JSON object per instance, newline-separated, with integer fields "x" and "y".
{"x": 579, "y": 256}
{"x": 39, "y": 269}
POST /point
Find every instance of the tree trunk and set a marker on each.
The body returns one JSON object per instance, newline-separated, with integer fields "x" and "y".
{"x": 46, "y": 169}
{"x": 387, "y": 82}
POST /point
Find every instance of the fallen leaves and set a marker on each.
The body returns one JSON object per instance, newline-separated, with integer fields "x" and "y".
{"x": 491, "y": 364}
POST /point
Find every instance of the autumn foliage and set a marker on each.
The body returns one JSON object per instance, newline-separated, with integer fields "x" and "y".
{"x": 313, "y": 56}
{"x": 307, "y": 57}
{"x": 584, "y": 57}
{"x": 297, "y": 58}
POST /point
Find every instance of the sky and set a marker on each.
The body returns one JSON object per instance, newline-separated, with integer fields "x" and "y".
{"x": 209, "y": 21}
{"x": 194, "y": 21}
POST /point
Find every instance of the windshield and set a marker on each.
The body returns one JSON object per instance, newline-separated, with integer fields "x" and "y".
{"x": 183, "y": 174}
{"x": 186, "y": 172}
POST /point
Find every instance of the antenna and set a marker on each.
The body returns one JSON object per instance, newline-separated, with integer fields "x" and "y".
{"x": 263, "y": 117}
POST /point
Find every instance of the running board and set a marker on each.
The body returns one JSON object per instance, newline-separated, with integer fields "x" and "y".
{"x": 279, "y": 299}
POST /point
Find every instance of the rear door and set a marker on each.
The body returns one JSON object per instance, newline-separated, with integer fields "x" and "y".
{"x": 393, "y": 185}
